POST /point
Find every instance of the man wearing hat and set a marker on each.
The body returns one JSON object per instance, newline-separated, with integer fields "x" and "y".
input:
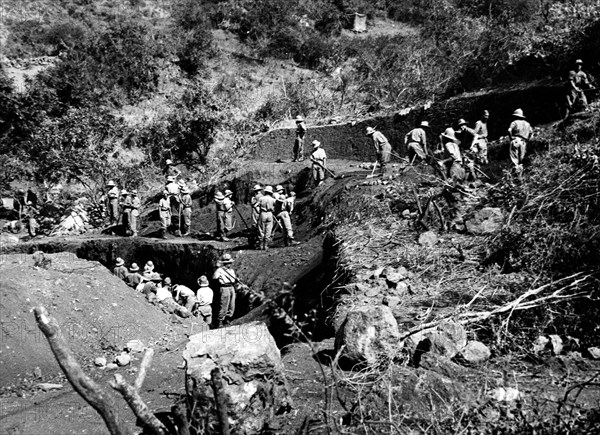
{"x": 226, "y": 278}
{"x": 136, "y": 204}
{"x": 452, "y": 162}
{"x": 299, "y": 142}
{"x": 578, "y": 83}
{"x": 382, "y": 147}
{"x": 266, "y": 204}
{"x": 173, "y": 189}
{"x": 283, "y": 216}
{"x": 171, "y": 170}
{"x": 519, "y": 133}
{"x": 256, "y": 195}
{"x": 224, "y": 209}
{"x": 164, "y": 213}
{"x": 126, "y": 210}
{"x": 120, "y": 270}
{"x": 204, "y": 296}
{"x": 133, "y": 278}
{"x": 186, "y": 211}
{"x": 112, "y": 202}
{"x": 481, "y": 145}
{"x": 319, "y": 159}
{"x": 416, "y": 142}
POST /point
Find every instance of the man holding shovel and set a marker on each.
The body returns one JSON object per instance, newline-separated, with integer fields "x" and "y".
{"x": 382, "y": 148}
{"x": 319, "y": 159}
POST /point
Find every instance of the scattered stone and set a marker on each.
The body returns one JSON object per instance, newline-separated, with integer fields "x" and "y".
{"x": 8, "y": 239}
{"x": 488, "y": 220}
{"x": 594, "y": 352}
{"x": 368, "y": 335}
{"x": 445, "y": 340}
{"x": 100, "y": 362}
{"x": 540, "y": 344}
{"x": 378, "y": 273}
{"x": 406, "y": 213}
{"x": 454, "y": 332}
{"x": 442, "y": 366}
{"x": 111, "y": 366}
{"x": 46, "y": 386}
{"x": 123, "y": 359}
{"x": 428, "y": 238}
{"x": 473, "y": 353}
{"x": 557, "y": 344}
{"x": 37, "y": 373}
{"x": 372, "y": 292}
{"x": 509, "y": 394}
{"x": 393, "y": 278}
{"x": 253, "y": 376}
{"x": 391, "y": 301}
{"x": 135, "y": 346}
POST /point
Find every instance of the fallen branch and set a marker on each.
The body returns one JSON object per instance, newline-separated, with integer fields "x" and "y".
{"x": 220, "y": 400}
{"x": 91, "y": 392}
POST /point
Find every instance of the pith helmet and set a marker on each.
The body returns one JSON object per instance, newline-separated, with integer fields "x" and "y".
{"x": 518, "y": 113}
{"x": 228, "y": 192}
{"x": 134, "y": 192}
{"x": 170, "y": 178}
{"x": 185, "y": 190}
{"x": 269, "y": 189}
{"x": 486, "y": 113}
{"x": 111, "y": 183}
{"x": 169, "y": 162}
{"x": 119, "y": 262}
{"x": 134, "y": 267}
{"x": 226, "y": 258}
{"x": 219, "y": 195}
{"x": 257, "y": 187}
{"x": 370, "y": 130}
{"x": 124, "y": 192}
{"x": 149, "y": 264}
{"x": 579, "y": 62}
{"x": 462, "y": 122}
{"x": 167, "y": 281}
{"x": 279, "y": 188}
{"x": 281, "y": 197}
{"x": 424, "y": 124}
{"x": 299, "y": 118}
{"x": 316, "y": 143}
{"x": 449, "y": 134}
{"x": 203, "y": 281}
{"x": 181, "y": 183}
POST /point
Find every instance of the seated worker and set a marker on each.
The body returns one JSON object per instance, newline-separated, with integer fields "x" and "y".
{"x": 133, "y": 279}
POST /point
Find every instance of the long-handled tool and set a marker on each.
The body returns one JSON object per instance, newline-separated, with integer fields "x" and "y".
{"x": 329, "y": 171}
{"x": 373, "y": 171}
{"x": 179, "y": 219}
{"x": 242, "y": 217}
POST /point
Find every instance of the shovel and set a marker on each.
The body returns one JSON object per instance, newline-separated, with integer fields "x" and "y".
{"x": 373, "y": 171}
{"x": 330, "y": 172}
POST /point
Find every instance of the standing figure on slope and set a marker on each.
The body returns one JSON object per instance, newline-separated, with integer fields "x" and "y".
{"x": 519, "y": 133}
{"x": 382, "y": 148}
{"x": 299, "y": 141}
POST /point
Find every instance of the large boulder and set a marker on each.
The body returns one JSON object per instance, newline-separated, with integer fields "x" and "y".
{"x": 369, "y": 334}
{"x": 474, "y": 352}
{"x": 253, "y": 376}
{"x": 487, "y": 220}
{"x": 445, "y": 340}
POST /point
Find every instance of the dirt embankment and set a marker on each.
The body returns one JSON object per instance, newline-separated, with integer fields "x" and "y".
{"x": 348, "y": 141}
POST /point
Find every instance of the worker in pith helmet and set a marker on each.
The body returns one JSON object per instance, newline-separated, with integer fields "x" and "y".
{"x": 112, "y": 205}
{"x": 383, "y": 149}
{"x": 416, "y": 142}
{"x": 266, "y": 205}
{"x": 299, "y": 141}
{"x": 170, "y": 170}
{"x": 164, "y": 213}
{"x": 319, "y": 159}
{"x": 519, "y": 133}
{"x": 480, "y": 147}
{"x": 227, "y": 280}
{"x": 186, "y": 211}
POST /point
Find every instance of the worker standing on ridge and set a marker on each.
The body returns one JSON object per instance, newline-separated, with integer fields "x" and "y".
{"x": 170, "y": 170}
{"x": 126, "y": 211}
{"x": 186, "y": 212}
{"x": 319, "y": 159}
{"x": 382, "y": 148}
{"x": 164, "y": 213}
{"x": 204, "y": 296}
{"x": 283, "y": 216}
{"x": 265, "y": 220}
{"x": 224, "y": 209}
{"x": 226, "y": 278}
{"x": 299, "y": 141}
{"x": 519, "y": 133}
{"x": 452, "y": 162}
{"x": 120, "y": 270}
{"x": 480, "y": 147}
{"x": 136, "y": 204}
{"x": 253, "y": 239}
{"x": 578, "y": 83}
{"x": 416, "y": 142}
{"x": 229, "y": 204}
{"x": 112, "y": 204}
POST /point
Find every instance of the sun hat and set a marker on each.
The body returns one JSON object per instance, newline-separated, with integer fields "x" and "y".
{"x": 134, "y": 192}
{"x": 269, "y": 189}
{"x": 134, "y": 267}
{"x": 486, "y": 112}
{"x": 316, "y": 143}
{"x": 279, "y": 188}
{"x": 518, "y": 113}
{"x": 461, "y": 121}
{"x": 257, "y": 187}
{"x": 226, "y": 258}
{"x": 203, "y": 281}
{"x": 167, "y": 281}
{"x": 150, "y": 264}
{"x": 119, "y": 262}
{"x": 169, "y": 162}
{"x": 281, "y": 197}
{"x": 579, "y": 62}
{"x": 111, "y": 183}
{"x": 424, "y": 124}
{"x": 450, "y": 134}
{"x": 370, "y": 130}
{"x": 219, "y": 195}
{"x": 228, "y": 192}
{"x": 123, "y": 192}
{"x": 299, "y": 118}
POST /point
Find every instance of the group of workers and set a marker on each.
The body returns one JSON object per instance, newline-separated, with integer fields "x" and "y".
{"x": 180, "y": 299}
{"x": 123, "y": 206}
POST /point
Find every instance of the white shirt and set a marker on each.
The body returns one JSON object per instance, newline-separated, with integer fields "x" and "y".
{"x": 183, "y": 291}
{"x": 163, "y": 293}
{"x": 205, "y": 295}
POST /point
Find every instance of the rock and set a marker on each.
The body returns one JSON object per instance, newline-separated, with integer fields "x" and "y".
{"x": 369, "y": 335}
{"x": 123, "y": 359}
{"x": 37, "y": 373}
{"x": 488, "y": 220}
{"x": 100, "y": 362}
{"x": 509, "y": 394}
{"x": 442, "y": 366}
{"x": 111, "y": 366}
{"x": 445, "y": 340}
{"x": 540, "y": 344}
{"x": 474, "y": 352}
{"x": 594, "y": 352}
{"x": 393, "y": 278}
{"x": 378, "y": 272}
{"x": 406, "y": 213}
{"x": 403, "y": 272}
{"x": 391, "y": 301}
{"x": 557, "y": 344}
{"x": 254, "y": 381}
{"x": 135, "y": 346}
{"x": 46, "y": 386}
{"x": 8, "y": 239}
{"x": 428, "y": 238}
{"x": 454, "y": 332}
